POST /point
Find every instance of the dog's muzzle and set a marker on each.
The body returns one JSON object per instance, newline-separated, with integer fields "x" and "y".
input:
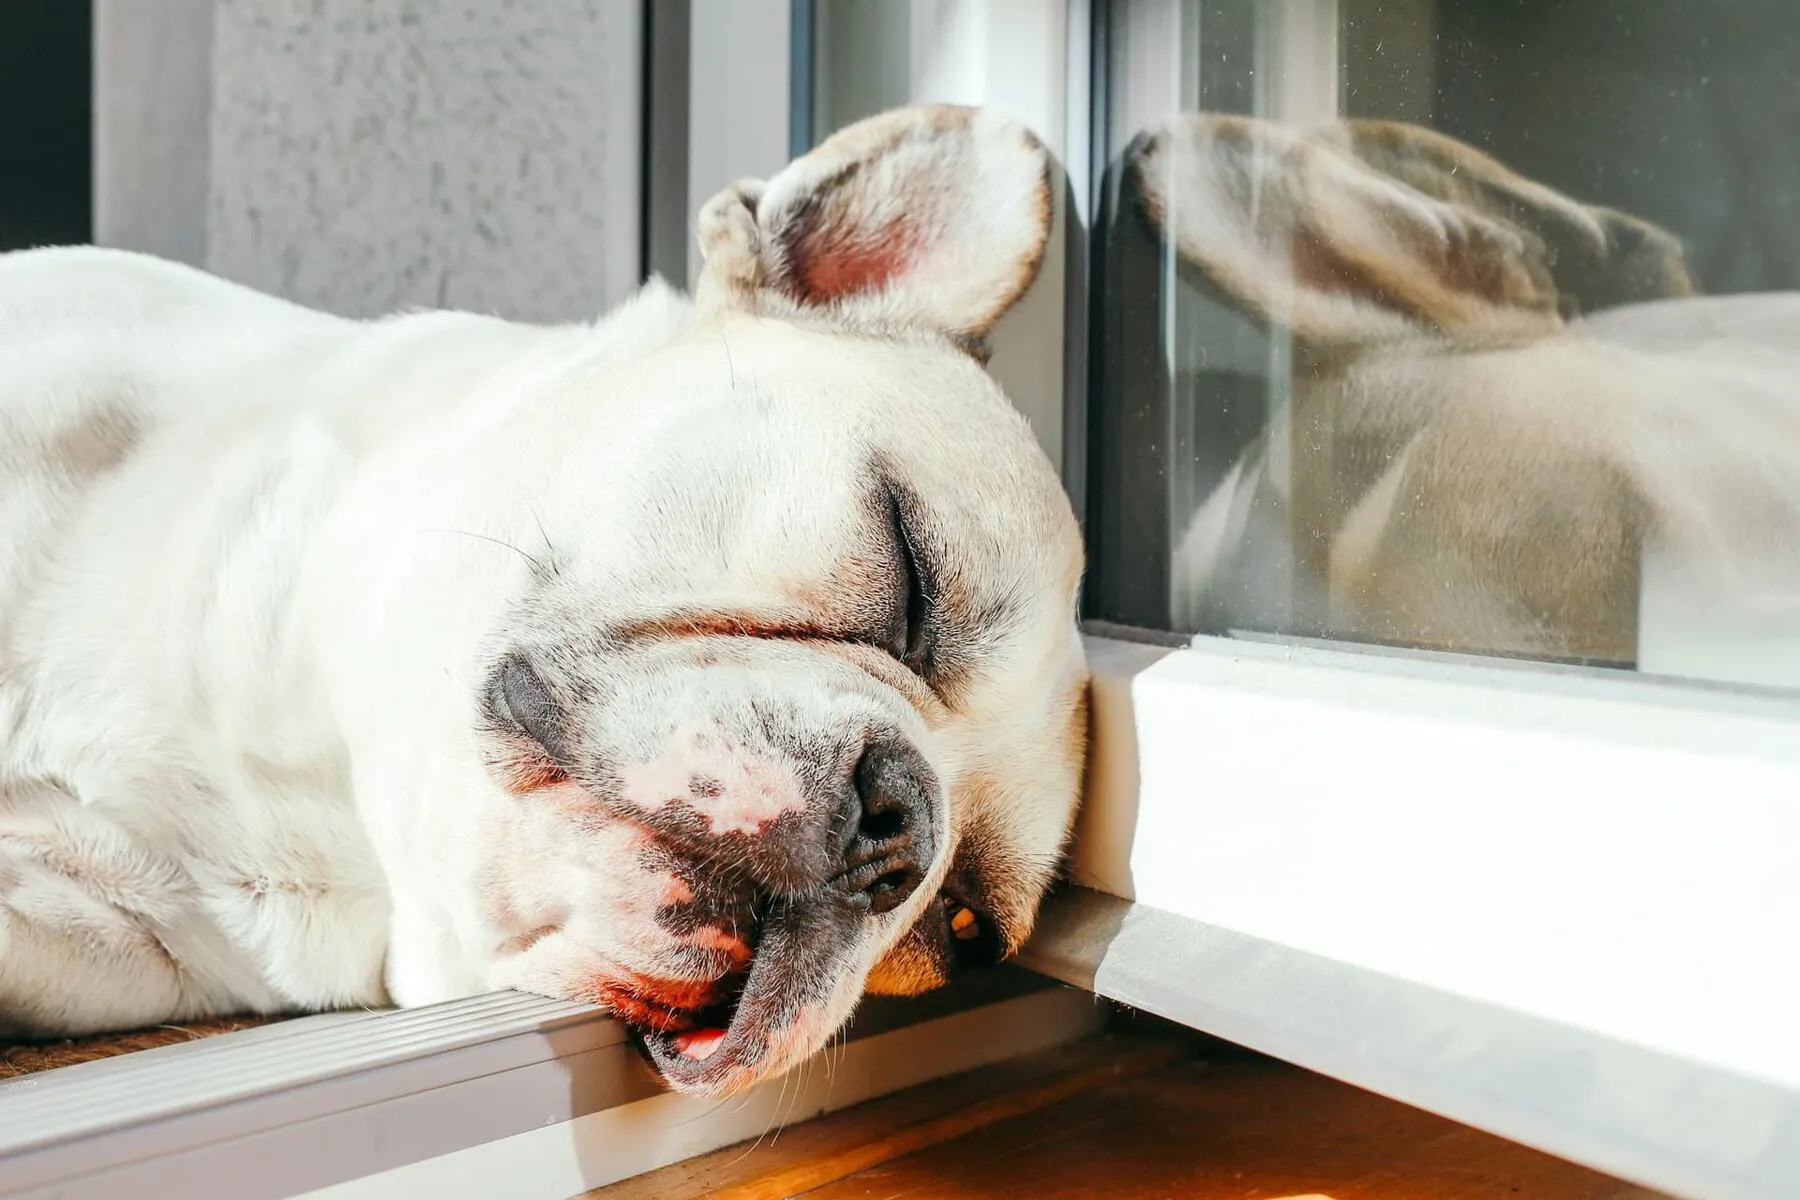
{"x": 786, "y": 843}
{"x": 817, "y": 884}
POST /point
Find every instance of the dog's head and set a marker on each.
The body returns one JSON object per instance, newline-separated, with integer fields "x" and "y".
{"x": 790, "y": 703}
{"x": 1362, "y": 232}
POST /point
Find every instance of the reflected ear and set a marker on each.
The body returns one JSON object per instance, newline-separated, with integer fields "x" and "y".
{"x": 1300, "y": 232}
{"x": 1596, "y": 257}
{"x": 934, "y": 218}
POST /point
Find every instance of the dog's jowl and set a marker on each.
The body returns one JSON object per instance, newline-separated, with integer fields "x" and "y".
{"x": 714, "y": 662}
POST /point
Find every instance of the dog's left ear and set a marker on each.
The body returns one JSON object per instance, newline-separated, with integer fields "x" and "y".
{"x": 932, "y": 217}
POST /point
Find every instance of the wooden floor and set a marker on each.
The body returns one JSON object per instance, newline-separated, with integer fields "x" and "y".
{"x": 1148, "y": 1114}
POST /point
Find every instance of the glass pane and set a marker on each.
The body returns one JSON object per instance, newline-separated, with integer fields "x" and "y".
{"x": 1469, "y": 325}
{"x": 861, "y": 64}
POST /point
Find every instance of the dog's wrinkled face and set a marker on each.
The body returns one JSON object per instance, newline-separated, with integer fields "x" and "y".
{"x": 796, "y": 707}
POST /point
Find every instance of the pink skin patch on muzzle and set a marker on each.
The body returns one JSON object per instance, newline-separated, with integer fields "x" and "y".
{"x": 713, "y": 938}
{"x": 735, "y": 790}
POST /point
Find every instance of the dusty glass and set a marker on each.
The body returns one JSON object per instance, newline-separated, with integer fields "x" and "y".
{"x": 1467, "y": 326}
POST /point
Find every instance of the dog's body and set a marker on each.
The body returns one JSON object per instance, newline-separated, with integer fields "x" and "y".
{"x": 705, "y": 662}
{"x": 1471, "y": 463}
{"x": 175, "y": 448}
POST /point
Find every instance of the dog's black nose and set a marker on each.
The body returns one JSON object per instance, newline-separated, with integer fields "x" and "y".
{"x": 891, "y": 842}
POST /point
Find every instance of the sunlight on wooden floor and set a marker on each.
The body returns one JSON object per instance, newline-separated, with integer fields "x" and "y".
{"x": 1142, "y": 1114}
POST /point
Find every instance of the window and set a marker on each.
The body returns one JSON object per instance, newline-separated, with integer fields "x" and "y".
{"x": 1465, "y": 327}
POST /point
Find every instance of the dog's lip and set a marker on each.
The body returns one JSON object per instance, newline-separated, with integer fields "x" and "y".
{"x": 679, "y": 1049}
{"x": 723, "y": 1046}
{"x": 669, "y": 1009}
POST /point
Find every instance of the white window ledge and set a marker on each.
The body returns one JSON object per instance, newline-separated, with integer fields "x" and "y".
{"x": 1559, "y": 905}
{"x": 501, "y": 1095}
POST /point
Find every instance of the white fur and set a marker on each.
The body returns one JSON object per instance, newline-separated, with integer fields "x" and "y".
{"x": 256, "y": 562}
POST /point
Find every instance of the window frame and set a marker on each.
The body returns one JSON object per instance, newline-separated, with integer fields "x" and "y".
{"x": 1540, "y": 1040}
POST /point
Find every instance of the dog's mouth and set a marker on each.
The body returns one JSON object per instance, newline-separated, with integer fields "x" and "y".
{"x": 692, "y": 1034}
{"x": 763, "y": 1018}
{"x": 673, "y": 1014}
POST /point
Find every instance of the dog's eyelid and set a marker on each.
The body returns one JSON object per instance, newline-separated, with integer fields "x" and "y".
{"x": 521, "y": 698}
{"x": 917, "y": 604}
{"x": 916, "y": 587}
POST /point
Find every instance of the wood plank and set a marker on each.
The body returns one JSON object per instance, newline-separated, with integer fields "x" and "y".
{"x": 932, "y": 1109}
{"x": 1136, "y": 1115}
{"x": 1228, "y": 1131}
{"x": 823, "y": 1168}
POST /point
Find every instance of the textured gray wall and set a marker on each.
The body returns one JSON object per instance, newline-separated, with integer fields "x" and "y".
{"x": 369, "y": 155}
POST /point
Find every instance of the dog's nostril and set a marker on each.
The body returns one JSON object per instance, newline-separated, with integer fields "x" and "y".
{"x": 893, "y": 798}
{"x": 892, "y": 843}
{"x": 882, "y": 826}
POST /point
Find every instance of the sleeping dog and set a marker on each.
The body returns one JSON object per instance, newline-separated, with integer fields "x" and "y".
{"x": 713, "y": 662}
{"x": 1473, "y": 464}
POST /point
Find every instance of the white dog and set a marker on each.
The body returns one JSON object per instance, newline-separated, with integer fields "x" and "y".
{"x": 712, "y": 662}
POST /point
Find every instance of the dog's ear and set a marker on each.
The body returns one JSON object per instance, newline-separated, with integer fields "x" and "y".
{"x": 1597, "y": 257}
{"x": 1300, "y": 232}
{"x": 1640, "y": 262}
{"x": 934, "y": 217}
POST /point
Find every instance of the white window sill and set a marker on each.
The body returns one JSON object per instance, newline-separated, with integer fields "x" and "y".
{"x": 501, "y": 1095}
{"x": 1554, "y": 904}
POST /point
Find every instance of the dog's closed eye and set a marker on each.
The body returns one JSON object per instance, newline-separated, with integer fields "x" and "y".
{"x": 912, "y": 612}
{"x": 521, "y": 700}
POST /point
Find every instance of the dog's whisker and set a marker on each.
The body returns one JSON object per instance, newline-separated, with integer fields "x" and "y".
{"x": 705, "y": 1114}
{"x": 549, "y": 546}
{"x": 792, "y": 1103}
{"x": 792, "y": 1106}
{"x": 829, "y": 1053}
{"x": 774, "y": 1111}
{"x": 536, "y": 563}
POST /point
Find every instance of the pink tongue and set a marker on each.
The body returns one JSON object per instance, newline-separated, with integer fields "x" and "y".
{"x": 700, "y": 1043}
